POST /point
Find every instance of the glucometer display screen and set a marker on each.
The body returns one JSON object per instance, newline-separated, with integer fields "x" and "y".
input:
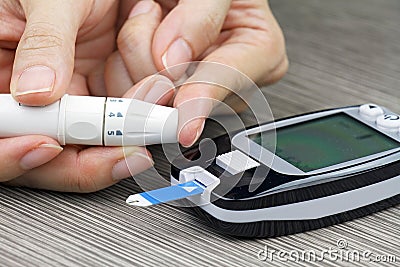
{"x": 324, "y": 142}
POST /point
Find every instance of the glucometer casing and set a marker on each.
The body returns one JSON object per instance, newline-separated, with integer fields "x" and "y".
{"x": 268, "y": 199}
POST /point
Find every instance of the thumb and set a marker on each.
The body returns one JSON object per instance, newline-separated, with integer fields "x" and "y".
{"x": 44, "y": 59}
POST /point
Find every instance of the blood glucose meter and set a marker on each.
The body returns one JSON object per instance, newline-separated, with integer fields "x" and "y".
{"x": 326, "y": 167}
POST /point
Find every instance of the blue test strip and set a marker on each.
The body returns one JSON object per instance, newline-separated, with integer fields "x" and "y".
{"x": 166, "y": 194}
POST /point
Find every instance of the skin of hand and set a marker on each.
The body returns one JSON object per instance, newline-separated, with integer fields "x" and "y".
{"x": 155, "y": 35}
{"x": 47, "y": 49}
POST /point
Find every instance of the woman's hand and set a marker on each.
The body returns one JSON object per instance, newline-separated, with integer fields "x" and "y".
{"x": 47, "y": 49}
{"x": 50, "y": 47}
{"x": 242, "y": 34}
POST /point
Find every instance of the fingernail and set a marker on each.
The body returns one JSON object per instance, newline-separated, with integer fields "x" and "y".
{"x": 39, "y": 156}
{"x": 158, "y": 92}
{"x": 141, "y": 7}
{"x": 178, "y": 52}
{"x": 136, "y": 160}
{"x": 194, "y": 131}
{"x": 36, "y": 79}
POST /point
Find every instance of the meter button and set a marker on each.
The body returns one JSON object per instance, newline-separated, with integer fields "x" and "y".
{"x": 388, "y": 122}
{"x": 236, "y": 162}
{"x": 371, "y": 111}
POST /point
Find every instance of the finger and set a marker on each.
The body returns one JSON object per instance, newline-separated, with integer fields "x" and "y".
{"x": 195, "y": 101}
{"x": 44, "y": 59}
{"x": 95, "y": 46}
{"x": 78, "y": 85}
{"x": 254, "y": 49}
{"x": 186, "y": 32}
{"x": 87, "y": 170}
{"x": 258, "y": 38}
{"x": 155, "y": 89}
{"x": 21, "y": 154}
{"x": 116, "y": 76}
{"x": 96, "y": 81}
{"x": 135, "y": 39}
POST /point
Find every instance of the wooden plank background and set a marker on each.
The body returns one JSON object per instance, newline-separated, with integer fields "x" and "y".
{"x": 341, "y": 53}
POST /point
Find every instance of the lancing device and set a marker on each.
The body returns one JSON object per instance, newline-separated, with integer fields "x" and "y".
{"x": 89, "y": 120}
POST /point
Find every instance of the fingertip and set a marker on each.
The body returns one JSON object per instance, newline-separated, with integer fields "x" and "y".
{"x": 155, "y": 89}
{"x": 39, "y": 156}
{"x": 37, "y": 85}
{"x": 176, "y": 58}
{"x": 34, "y": 86}
{"x": 134, "y": 40}
{"x": 141, "y": 7}
{"x": 161, "y": 92}
{"x": 23, "y": 153}
{"x": 44, "y": 58}
{"x": 37, "y": 99}
{"x": 135, "y": 160}
{"x": 190, "y": 133}
{"x": 184, "y": 35}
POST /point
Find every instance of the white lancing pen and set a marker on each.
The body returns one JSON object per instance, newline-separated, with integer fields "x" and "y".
{"x": 88, "y": 120}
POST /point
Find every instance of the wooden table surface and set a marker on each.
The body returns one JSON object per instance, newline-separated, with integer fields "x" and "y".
{"x": 341, "y": 52}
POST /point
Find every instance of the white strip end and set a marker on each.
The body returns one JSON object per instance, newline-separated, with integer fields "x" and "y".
{"x": 138, "y": 200}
